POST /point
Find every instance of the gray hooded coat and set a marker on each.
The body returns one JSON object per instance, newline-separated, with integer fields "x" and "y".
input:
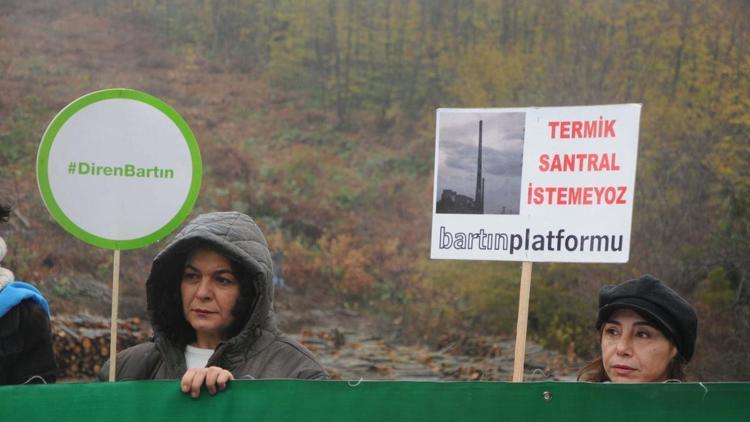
{"x": 259, "y": 350}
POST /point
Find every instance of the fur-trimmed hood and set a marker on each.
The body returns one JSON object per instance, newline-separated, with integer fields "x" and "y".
{"x": 241, "y": 240}
{"x": 6, "y": 276}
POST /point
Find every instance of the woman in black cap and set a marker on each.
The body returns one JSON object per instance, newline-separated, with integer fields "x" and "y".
{"x": 647, "y": 334}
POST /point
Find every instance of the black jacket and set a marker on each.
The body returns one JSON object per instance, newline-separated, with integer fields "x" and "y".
{"x": 26, "y": 355}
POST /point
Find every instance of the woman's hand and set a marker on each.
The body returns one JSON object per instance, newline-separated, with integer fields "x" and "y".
{"x": 212, "y": 376}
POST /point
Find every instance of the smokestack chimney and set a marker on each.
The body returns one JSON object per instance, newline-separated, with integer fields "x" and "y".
{"x": 479, "y": 194}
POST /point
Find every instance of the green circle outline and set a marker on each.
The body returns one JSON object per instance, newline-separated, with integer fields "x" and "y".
{"x": 43, "y": 172}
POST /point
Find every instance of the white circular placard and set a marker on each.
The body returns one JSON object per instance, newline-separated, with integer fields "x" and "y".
{"x": 119, "y": 169}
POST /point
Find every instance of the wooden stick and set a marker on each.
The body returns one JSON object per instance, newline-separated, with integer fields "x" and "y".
{"x": 523, "y": 319}
{"x": 113, "y": 324}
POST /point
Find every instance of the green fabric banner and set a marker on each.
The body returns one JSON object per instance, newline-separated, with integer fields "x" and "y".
{"x": 287, "y": 400}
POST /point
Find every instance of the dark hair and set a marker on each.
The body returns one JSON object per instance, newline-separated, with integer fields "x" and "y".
{"x": 4, "y": 213}
{"x": 181, "y": 332}
{"x": 246, "y": 302}
{"x": 594, "y": 370}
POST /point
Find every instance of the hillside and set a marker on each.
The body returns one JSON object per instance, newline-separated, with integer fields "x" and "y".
{"x": 318, "y": 120}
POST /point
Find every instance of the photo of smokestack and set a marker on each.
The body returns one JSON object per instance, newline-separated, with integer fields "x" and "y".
{"x": 480, "y": 158}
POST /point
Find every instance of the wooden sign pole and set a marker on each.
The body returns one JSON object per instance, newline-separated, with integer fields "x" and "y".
{"x": 523, "y": 319}
{"x": 113, "y": 323}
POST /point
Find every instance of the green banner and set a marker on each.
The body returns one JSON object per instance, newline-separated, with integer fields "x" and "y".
{"x": 286, "y": 400}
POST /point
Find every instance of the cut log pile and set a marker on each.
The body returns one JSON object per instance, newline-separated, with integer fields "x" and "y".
{"x": 81, "y": 342}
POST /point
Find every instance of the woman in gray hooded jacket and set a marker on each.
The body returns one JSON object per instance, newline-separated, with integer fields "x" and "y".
{"x": 210, "y": 301}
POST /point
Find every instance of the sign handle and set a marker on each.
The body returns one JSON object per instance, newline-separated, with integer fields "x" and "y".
{"x": 113, "y": 323}
{"x": 523, "y": 319}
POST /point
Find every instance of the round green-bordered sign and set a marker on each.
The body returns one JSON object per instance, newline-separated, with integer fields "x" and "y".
{"x": 119, "y": 169}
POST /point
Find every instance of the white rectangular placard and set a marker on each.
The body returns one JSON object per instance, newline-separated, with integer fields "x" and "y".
{"x": 549, "y": 184}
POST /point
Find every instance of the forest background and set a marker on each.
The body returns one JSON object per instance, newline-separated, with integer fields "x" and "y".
{"x": 317, "y": 117}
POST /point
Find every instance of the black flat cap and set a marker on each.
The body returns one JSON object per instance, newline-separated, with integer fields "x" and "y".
{"x": 658, "y": 304}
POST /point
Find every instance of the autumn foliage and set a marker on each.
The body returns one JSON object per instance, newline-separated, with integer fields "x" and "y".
{"x": 317, "y": 118}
